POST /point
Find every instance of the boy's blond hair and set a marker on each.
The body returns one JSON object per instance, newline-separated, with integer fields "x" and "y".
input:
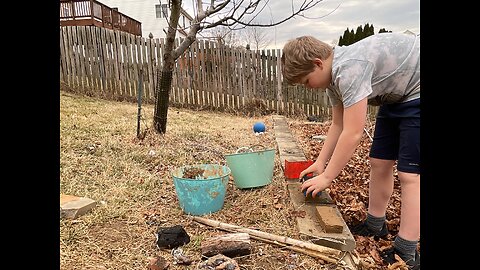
{"x": 298, "y": 56}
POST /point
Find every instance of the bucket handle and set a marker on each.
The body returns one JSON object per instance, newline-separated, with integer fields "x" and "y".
{"x": 257, "y": 146}
{"x": 245, "y": 149}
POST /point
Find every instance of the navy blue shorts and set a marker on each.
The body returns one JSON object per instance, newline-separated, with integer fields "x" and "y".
{"x": 397, "y": 135}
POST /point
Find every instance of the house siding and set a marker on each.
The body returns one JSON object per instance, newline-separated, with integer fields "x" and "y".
{"x": 142, "y": 11}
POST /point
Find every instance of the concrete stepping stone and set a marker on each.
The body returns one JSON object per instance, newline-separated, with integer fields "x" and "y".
{"x": 72, "y": 207}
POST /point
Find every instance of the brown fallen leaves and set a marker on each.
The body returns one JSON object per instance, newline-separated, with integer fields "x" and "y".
{"x": 350, "y": 192}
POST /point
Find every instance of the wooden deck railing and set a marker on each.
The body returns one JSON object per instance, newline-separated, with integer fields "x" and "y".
{"x": 91, "y": 12}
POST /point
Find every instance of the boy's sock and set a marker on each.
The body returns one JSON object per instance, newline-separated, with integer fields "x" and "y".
{"x": 375, "y": 223}
{"x": 405, "y": 247}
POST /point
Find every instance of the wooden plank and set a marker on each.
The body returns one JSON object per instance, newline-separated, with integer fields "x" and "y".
{"x": 194, "y": 73}
{"x": 124, "y": 65}
{"x": 174, "y": 89}
{"x": 69, "y": 54}
{"x": 149, "y": 62}
{"x": 229, "y": 74}
{"x": 81, "y": 57}
{"x": 208, "y": 71}
{"x": 147, "y": 86}
{"x": 258, "y": 64}
{"x": 264, "y": 74}
{"x": 158, "y": 62}
{"x": 217, "y": 74}
{"x": 101, "y": 59}
{"x": 308, "y": 224}
{"x": 222, "y": 75}
{"x": 243, "y": 75}
{"x": 119, "y": 63}
{"x": 63, "y": 57}
{"x": 73, "y": 42}
{"x": 247, "y": 73}
{"x": 203, "y": 71}
{"x": 109, "y": 71}
{"x": 78, "y": 57}
{"x": 87, "y": 61}
{"x": 95, "y": 59}
{"x": 112, "y": 63}
{"x": 269, "y": 79}
{"x": 129, "y": 65}
{"x": 274, "y": 80}
{"x": 133, "y": 66}
{"x": 280, "y": 106}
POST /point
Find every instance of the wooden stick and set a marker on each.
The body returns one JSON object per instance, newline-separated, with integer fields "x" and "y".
{"x": 308, "y": 252}
{"x": 286, "y": 241}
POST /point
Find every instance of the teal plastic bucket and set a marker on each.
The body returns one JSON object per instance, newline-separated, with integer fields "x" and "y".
{"x": 201, "y": 188}
{"x": 251, "y": 168}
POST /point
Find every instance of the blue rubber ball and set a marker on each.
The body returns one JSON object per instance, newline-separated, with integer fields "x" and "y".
{"x": 259, "y": 127}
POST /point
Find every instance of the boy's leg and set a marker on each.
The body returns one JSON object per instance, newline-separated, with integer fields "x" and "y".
{"x": 383, "y": 153}
{"x": 409, "y": 175}
{"x": 410, "y": 211}
{"x": 381, "y": 186}
{"x": 408, "y": 166}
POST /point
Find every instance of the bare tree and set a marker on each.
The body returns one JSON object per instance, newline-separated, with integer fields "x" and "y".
{"x": 234, "y": 14}
{"x": 223, "y": 35}
{"x": 256, "y": 37}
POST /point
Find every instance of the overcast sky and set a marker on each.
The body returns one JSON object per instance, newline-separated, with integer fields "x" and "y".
{"x": 330, "y": 18}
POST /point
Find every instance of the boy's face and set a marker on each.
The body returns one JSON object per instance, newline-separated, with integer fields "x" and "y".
{"x": 318, "y": 78}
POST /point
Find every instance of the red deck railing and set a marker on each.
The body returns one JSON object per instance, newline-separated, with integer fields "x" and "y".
{"x": 91, "y": 12}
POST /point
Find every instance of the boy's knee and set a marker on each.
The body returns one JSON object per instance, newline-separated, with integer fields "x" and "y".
{"x": 376, "y": 163}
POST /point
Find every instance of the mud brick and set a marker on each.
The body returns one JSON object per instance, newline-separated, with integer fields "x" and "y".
{"x": 330, "y": 218}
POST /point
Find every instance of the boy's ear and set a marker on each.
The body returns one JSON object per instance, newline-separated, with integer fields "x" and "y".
{"x": 318, "y": 62}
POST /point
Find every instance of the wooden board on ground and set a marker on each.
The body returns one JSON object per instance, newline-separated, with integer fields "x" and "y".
{"x": 309, "y": 225}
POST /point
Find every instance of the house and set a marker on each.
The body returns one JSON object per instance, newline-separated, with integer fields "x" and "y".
{"x": 94, "y": 13}
{"x": 153, "y": 14}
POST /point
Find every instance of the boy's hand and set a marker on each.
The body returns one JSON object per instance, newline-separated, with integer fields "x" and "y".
{"x": 305, "y": 178}
{"x": 316, "y": 184}
{"x": 308, "y": 172}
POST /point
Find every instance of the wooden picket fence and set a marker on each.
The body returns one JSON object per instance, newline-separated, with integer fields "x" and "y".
{"x": 117, "y": 65}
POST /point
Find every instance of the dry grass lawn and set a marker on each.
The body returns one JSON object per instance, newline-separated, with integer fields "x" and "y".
{"x": 101, "y": 158}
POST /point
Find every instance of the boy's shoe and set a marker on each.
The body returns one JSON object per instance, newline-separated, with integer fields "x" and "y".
{"x": 363, "y": 230}
{"x": 388, "y": 257}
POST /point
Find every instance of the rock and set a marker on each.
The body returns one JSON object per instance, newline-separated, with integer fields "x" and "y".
{"x": 172, "y": 237}
{"x": 158, "y": 263}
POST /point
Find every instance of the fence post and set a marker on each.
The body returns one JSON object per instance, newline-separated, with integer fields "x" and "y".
{"x": 139, "y": 101}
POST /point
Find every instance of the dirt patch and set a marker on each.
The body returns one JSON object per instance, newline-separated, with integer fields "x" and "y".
{"x": 193, "y": 173}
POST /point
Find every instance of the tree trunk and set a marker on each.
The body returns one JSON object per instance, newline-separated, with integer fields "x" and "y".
{"x": 162, "y": 95}
{"x": 164, "y": 81}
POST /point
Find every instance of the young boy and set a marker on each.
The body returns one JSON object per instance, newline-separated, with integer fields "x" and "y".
{"x": 381, "y": 70}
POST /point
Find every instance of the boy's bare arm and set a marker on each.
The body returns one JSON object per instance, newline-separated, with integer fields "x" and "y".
{"x": 353, "y": 124}
{"x": 333, "y": 134}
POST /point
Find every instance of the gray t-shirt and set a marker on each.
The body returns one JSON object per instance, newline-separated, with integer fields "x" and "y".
{"x": 384, "y": 67}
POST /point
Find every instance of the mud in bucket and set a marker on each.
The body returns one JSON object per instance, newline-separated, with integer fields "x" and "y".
{"x": 201, "y": 188}
{"x": 251, "y": 168}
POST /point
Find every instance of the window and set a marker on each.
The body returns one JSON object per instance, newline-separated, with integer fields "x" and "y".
{"x": 161, "y": 11}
